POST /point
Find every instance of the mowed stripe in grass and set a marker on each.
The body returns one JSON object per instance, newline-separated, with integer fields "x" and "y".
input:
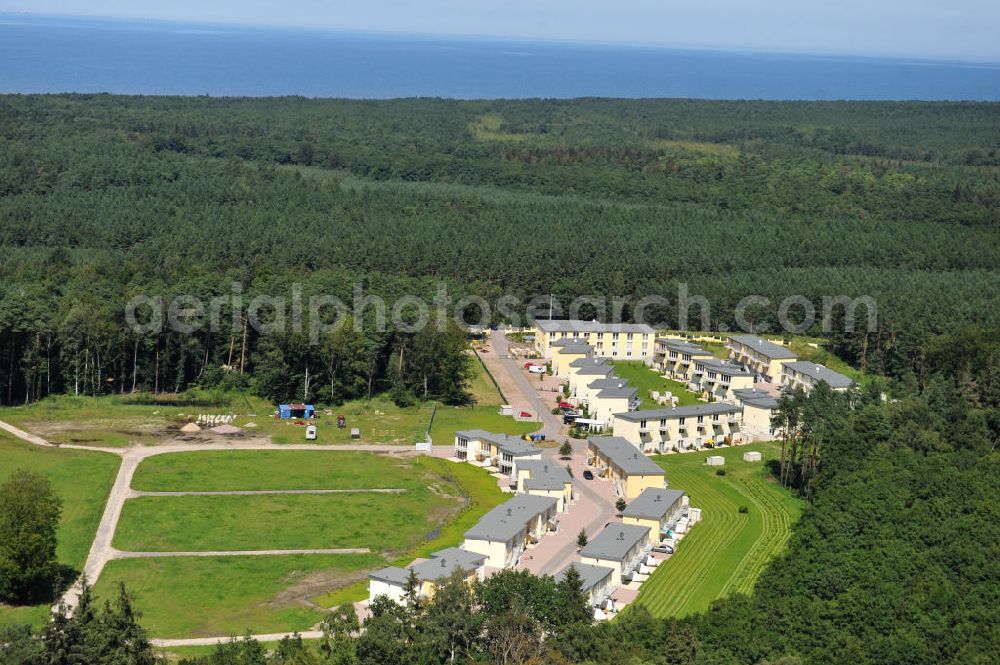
{"x": 234, "y": 470}
{"x": 728, "y": 550}
{"x": 208, "y": 596}
{"x": 217, "y": 523}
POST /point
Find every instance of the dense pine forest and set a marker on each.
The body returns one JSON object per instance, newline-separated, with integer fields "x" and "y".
{"x": 895, "y": 558}
{"x": 106, "y": 197}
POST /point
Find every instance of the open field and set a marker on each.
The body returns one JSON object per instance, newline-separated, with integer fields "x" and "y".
{"x": 482, "y": 494}
{"x": 82, "y": 480}
{"x": 380, "y": 522}
{"x": 727, "y": 551}
{"x": 379, "y": 420}
{"x": 449, "y": 419}
{"x": 204, "y": 596}
{"x": 646, "y": 379}
{"x": 233, "y": 470}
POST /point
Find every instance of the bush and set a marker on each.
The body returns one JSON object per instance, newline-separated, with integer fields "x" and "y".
{"x": 720, "y": 472}
{"x": 744, "y": 510}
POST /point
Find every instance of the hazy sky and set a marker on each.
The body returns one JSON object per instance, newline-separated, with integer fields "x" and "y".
{"x": 963, "y": 29}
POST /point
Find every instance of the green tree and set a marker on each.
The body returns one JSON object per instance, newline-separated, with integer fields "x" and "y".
{"x": 566, "y": 450}
{"x": 29, "y": 516}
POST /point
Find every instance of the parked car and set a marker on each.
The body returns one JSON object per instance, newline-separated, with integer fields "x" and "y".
{"x": 570, "y": 418}
{"x": 588, "y": 474}
{"x": 663, "y": 549}
{"x": 537, "y": 369}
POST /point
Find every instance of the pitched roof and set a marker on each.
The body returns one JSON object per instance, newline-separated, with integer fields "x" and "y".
{"x": 621, "y": 392}
{"x": 590, "y": 575}
{"x": 504, "y": 442}
{"x": 708, "y": 409}
{"x": 821, "y": 373}
{"x": 509, "y": 518}
{"x": 595, "y": 370}
{"x": 615, "y": 542}
{"x": 589, "y": 362}
{"x": 721, "y": 367}
{"x": 653, "y": 503}
{"x": 764, "y": 347}
{"x": 391, "y": 574}
{"x": 625, "y": 456}
{"x": 575, "y": 325}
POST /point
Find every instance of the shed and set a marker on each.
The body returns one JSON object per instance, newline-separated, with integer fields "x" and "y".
{"x": 752, "y": 456}
{"x": 715, "y": 460}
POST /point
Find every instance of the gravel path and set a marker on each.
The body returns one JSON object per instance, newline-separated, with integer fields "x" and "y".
{"x": 119, "y": 554}
{"x": 136, "y": 494}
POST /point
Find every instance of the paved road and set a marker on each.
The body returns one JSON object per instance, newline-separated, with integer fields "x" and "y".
{"x": 595, "y": 499}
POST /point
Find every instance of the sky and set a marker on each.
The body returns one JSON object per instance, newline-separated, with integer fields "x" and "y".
{"x": 934, "y": 29}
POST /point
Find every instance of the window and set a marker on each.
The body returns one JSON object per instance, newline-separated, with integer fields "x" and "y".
{"x": 701, "y": 419}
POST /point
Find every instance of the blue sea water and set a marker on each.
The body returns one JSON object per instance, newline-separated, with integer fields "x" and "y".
{"x": 90, "y": 55}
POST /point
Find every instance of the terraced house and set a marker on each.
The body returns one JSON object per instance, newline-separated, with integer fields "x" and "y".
{"x": 760, "y": 356}
{"x": 807, "y": 375}
{"x": 682, "y": 428}
{"x": 718, "y": 379}
{"x": 392, "y": 580}
{"x": 596, "y": 581}
{"x": 621, "y": 462}
{"x": 758, "y": 409}
{"x": 620, "y": 547}
{"x": 656, "y": 509}
{"x": 676, "y": 358}
{"x": 618, "y": 341}
{"x": 503, "y": 533}
{"x": 544, "y": 478}
{"x": 567, "y": 351}
{"x": 502, "y": 452}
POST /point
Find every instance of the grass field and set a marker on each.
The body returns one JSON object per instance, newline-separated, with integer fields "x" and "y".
{"x": 229, "y": 470}
{"x": 204, "y": 596}
{"x": 482, "y": 494}
{"x": 646, "y": 379}
{"x": 82, "y": 480}
{"x": 727, "y": 551}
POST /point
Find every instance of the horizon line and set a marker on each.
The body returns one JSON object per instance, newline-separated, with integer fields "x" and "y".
{"x": 923, "y": 59}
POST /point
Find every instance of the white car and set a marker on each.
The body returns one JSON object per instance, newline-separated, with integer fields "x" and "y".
{"x": 537, "y": 369}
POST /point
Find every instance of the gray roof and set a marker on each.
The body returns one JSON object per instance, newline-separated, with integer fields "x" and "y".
{"x": 545, "y": 475}
{"x": 579, "y": 347}
{"x": 392, "y": 575}
{"x": 511, "y": 445}
{"x": 574, "y": 325}
{"x": 653, "y": 503}
{"x": 567, "y": 341}
{"x": 606, "y": 382}
{"x": 625, "y": 456}
{"x": 757, "y": 398}
{"x": 445, "y": 562}
{"x": 683, "y": 347}
{"x": 821, "y": 373}
{"x": 509, "y": 518}
{"x": 588, "y": 362}
{"x": 614, "y": 543}
{"x": 764, "y": 347}
{"x": 590, "y": 575}
{"x": 692, "y": 410}
{"x": 721, "y": 367}
{"x": 595, "y": 370}
{"x": 621, "y": 392}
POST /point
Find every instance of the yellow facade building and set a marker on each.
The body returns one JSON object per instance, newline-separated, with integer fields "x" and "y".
{"x": 616, "y": 459}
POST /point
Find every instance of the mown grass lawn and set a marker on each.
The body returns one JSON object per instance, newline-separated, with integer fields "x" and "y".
{"x": 727, "y": 551}
{"x": 208, "y": 596}
{"x": 645, "y": 379}
{"x": 229, "y": 470}
{"x": 82, "y": 479}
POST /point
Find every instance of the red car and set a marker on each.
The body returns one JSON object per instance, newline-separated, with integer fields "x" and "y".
{"x": 530, "y": 365}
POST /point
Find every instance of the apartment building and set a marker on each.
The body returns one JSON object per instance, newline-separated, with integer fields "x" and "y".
{"x": 758, "y": 409}
{"x": 606, "y": 402}
{"x": 620, "y": 547}
{"x": 682, "y": 428}
{"x": 621, "y": 462}
{"x": 760, "y": 356}
{"x": 582, "y": 377}
{"x": 596, "y": 581}
{"x": 618, "y": 341}
{"x": 544, "y": 478}
{"x": 806, "y": 375}
{"x": 503, "y": 533}
{"x": 656, "y": 509}
{"x": 675, "y": 358}
{"x": 391, "y": 581}
{"x": 718, "y": 379}
{"x": 488, "y": 449}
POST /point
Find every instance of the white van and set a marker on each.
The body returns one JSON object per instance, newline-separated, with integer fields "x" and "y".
{"x": 311, "y": 433}
{"x": 537, "y": 369}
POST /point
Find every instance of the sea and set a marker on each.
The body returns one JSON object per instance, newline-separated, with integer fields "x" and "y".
{"x": 60, "y": 54}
